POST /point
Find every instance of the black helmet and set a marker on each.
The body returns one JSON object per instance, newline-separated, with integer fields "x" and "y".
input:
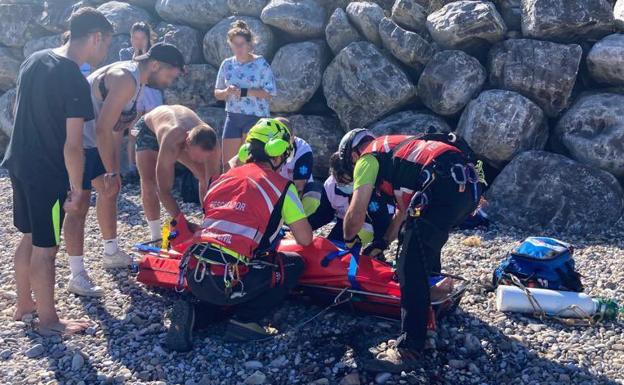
{"x": 351, "y": 140}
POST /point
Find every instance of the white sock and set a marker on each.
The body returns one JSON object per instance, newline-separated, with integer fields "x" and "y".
{"x": 154, "y": 228}
{"x": 110, "y": 246}
{"x": 76, "y": 264}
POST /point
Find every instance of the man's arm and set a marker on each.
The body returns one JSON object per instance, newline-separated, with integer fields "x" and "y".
{"x": 302, "y": 231}
{"x": 356, "y": 213}
{"x": 165, "y": 171}
{"x": 74, "y": 153}
{"x": 121, "y": 86}
{"x": 300, "y": 185}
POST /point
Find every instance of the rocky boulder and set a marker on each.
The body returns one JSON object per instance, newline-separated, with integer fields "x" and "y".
{"x": 118, "y": 42}
{"x": 543, "y": 71}
{"x": 499, "y": 124}
{"x": 605, "y": 61}
{"x": 298, "y": 70}
{"x": 511, "y": 11}
{"x": 247, "y": 7}
{"x": 618, "y": 14}
{"x": 365, "y": 16}
{"x": 9, "y": 68}
{"x": 567, "y": 20}
{"x": 147, "y": 4}
{"x": 410, "y": 14}
{"x": 187, "y": 39}
{"x": 200, "y": 14}
{"x": 40, "y": 43}
{"x": 592, "y": 131}
{"x": 409, "y": 47}
{"x": 299, "y": 18}
{"x": 449, "y": 81}
{"x": 55, "y": 17}
{"x": 410, "y": 123}
{"x": 214, "y": 116}
{"x": 541, "y": 191}
{"x": 7, "y": 104}
{"x": 123, "y": 15}
{"x": 322, "y": 133}
{"x": 194, "y": 88}
{"x": 216, "y": 47}
{"x": 361, "y": 85}
{"x": 466, "y": 25}
{"x": 339, "y": 33}
{"x": 18, "y": 22}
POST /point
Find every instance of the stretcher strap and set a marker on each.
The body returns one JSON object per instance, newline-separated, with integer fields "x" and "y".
{"x": 353, "y": 268}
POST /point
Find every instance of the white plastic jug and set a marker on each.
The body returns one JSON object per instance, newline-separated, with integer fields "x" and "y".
{"x": 552, "y": 302}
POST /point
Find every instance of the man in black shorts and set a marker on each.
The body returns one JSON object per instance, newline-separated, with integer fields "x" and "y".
{"x": 45, "y": 160}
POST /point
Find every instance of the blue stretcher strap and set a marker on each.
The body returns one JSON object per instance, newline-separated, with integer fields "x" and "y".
{"x": 333, "y": 255}
{"x": 146, "y": 248}
{"x": 353, "y": 268}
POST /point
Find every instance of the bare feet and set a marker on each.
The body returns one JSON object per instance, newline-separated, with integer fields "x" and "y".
{"x": 442, "y": 289}
{"x": 64, "y": 327}
{"x": 29, "y": 307}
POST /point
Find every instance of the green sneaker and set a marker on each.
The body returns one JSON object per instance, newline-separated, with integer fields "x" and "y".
{"x": 237, "y": 331}
{"x": 180, "y": 333}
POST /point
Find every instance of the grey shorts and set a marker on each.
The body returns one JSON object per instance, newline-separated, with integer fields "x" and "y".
{"x": 145, "y": 138}
{"x": 237, "y": 125}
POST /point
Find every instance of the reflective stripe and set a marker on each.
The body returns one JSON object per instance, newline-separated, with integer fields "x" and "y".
{"x": 226, "y": 179}
{"x": 415, "y": 152}
{"x": 295, "y": 199}
{"x": 267, "y": 200}
{"x": 56, "y": 221}
{"x": 386, "y": 145}
{"x": 275, "y": 189}
{"x": 233, "y": 228}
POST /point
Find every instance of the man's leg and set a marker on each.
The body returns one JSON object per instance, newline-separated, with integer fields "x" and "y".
{"x": 230, "y": 149}
{"x": 25, "y": 303}
{"x": 146, "y": 163}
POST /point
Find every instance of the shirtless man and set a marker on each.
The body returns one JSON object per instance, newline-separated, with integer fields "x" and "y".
{"x": 164, "y": 136}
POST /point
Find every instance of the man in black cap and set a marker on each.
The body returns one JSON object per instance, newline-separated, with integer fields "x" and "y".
{"x": 114, "y": 92}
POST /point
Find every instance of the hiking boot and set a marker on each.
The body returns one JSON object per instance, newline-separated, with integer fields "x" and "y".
{"x": 237, "y": 331}
{"x": 117, "y": 260}
{"x": 180, "y": 333}
{"x": 81, "y": 284}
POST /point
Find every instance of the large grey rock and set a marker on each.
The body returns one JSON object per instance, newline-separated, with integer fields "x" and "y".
{"x": 214, "y": 116}
{"x": 322, "y": 133}
{"x": 499, "y": 124}
{"x": 298, "y": 69}
{"x": 466, "y": 24}
{"x": 9, "y": 69}
{"x": 567, "y": 20}
{"x": 40, "y": 43}
{"x": 548, "y": 192}
{"x": 247, "y": 7}
{"x": 55, "y": 17}
{"x": 365, "y": 16}
{"x": 147, "y": 4}
{"x": 216, "y": 47}
{"x": 187, "y": 39}
{"x": 605, "y": 61}
{"x": 410, "y": 15}
{"x": 18, "y": 23}
{"x": 7, "y": 103}
{"x": 194, "y": 88}
{"x": 299, "y": 18}
{"x": 123, "y": 15}
{"x": 200, "y": 14}
{"x": 618, "y": 14}
{"x": 449, "y": 81}
{"x": 339, "y": 32}
{"x": 511, "y": 11}
{"x": 410, "y": 123}
{"x": 361, "y": 85}
{"x": 119, "y": 41}
{"x": 409, "y": 47}
{"x": 544, "y": 72}
{"x": 592, "y": 131}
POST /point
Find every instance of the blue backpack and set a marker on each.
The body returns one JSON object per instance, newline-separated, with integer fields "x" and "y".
{"x": 540, "y": 262}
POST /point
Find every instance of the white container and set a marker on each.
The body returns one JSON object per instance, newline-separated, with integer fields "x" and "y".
{"x": 552, "y": 302}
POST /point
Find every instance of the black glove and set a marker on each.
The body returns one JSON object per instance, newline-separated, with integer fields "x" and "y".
{"x": 354, "y": 244}
{"x": 376, "y": 248}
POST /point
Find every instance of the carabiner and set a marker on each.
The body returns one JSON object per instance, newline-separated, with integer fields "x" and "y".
{"x": 461, "y": 182}
{"x": 203, "y": 271}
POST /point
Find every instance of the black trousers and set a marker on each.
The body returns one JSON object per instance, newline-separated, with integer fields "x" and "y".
{"x": 263, "y": 285}
{"x": 421, "y": 242}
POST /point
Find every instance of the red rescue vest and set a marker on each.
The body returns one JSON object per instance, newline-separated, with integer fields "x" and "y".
{"x": 396, "y": 151}
{"x": 239, "y": 206}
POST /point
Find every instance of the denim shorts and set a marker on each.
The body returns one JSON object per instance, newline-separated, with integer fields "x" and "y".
{"x": 237, "y": 125}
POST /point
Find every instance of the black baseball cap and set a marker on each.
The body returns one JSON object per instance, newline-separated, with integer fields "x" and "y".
{"x": 166, "y": 53}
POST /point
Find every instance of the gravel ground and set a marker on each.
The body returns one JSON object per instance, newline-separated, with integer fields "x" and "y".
{"x": 476, "y": 345}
